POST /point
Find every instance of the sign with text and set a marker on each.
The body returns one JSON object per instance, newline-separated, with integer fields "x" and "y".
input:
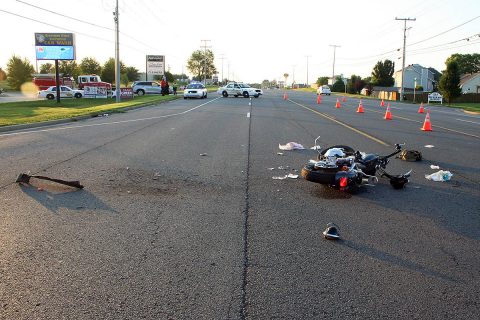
{"x": 155, "y": 65}
{"x": 55, "y": 46}
{"x": 435, "y": 97}
{"x": 95, "y": 92}
{"x": 126, "y": 93}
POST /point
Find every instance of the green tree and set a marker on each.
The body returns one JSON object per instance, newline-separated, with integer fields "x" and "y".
{"x": 322, "y": 81}
{"x": 201, "y": 64}
{"x": 467, "y": 63}
{"x": 382, "y": 74}
{"x": 19, "y": 71}
{"x": 132, "y": 74}
{"x": 3, "y": 75}
{"x": 124, "y": 79}
{"x": 357, "y": 84}
{"x": 69, "y": 68}
{"x": 108, "y": 70}
{"x": 449, "y": 84}
{"x": 169, "y": 77}
{"x": 339, "y": 85}
{"x": 47, "y": 68}
{"x": 90, "y": 66}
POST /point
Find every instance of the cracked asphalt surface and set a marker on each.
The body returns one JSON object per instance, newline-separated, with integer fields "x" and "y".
{"x": 180, "y": 217}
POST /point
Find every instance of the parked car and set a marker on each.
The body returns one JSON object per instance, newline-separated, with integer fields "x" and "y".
{"x": 195, "y": 90}
{"x": 65, "y": 92}
{"x": 149, "y": 87}
{"x": 324, "y": 90}
{"x": 146, "y": 87}
{"x": 239, "y": 89}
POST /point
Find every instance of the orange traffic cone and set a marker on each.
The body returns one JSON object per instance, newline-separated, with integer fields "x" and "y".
{"x": 319, "y": 99}
{"x": 427, "y": 126}
{"x": 285, "y": 96}
{"x": 344, "y": 99}
{"x": 388, "y": 113}
{"x": 360, "y": 107}
{"x": 420, "y": 110}
{"x": 382, "y": 104}
{"x": 337, "y": 105}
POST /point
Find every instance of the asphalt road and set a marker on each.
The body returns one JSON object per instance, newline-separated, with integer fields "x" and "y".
{"x": 180, "y": 217}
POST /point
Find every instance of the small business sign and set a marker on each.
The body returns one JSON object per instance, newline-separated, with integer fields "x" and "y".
{"x": 155, "y": 65}
{"x": 95, "y": 92}
{"x": 55, "y": 46}
{"x": 435, "y": 97}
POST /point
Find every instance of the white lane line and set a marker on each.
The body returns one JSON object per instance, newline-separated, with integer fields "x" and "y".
{"x": 468, "y": 121}
{"x": 106, "y": 123}
{"x": 248, "y": 115}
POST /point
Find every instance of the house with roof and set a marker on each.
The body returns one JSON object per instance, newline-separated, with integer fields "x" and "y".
{"x": 470, "y": 83}
{"x": 424, "y": 77}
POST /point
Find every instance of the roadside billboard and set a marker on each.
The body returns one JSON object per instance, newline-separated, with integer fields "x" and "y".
{"x": 55, "y": 46}
{"x": 155, "y": 65}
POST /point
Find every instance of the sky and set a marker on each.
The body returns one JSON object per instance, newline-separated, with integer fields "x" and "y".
{"x": 258, "y": 39}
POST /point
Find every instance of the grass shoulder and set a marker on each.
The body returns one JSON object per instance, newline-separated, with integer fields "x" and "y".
{"x": 14, "y": 113}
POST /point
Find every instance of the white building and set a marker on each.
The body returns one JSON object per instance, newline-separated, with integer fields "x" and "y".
{"x": 470, "y": 83}
{"x": 424, "y": 77}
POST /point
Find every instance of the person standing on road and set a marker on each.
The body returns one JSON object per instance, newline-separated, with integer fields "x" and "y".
{"x": 174, "y": 88}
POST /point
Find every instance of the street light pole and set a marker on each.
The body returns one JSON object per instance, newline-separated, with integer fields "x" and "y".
{"x": 404, "y": 45}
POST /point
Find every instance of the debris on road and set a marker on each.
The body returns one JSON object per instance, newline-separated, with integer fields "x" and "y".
{"x": 25, "y": 178}
{"x": 270, "y": 169}
{"x": 434, "y": 167}
{"x": 439, "y": 176}
{"x": 203, "y": 154}
{"x": 280, "y": 153}
{"x": 291, "y": 146}
{"x": 429, "y": 146}
{"x": 316, "y": 147}
{"x": 410, "y": 155}
{"x": 290, "y": 176}
{"x": 331, "y": 233}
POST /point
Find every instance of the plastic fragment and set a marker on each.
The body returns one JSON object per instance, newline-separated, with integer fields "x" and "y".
{"x": 434, "y": 167}
{"x": 291, "y": 146}
{"x": 439, "y": 176}
{"x": 429, "y": 146}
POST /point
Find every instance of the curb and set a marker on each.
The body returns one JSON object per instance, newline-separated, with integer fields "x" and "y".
{"x": 74, "y": 119}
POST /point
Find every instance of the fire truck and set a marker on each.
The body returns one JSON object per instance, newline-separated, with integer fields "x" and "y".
{"x": 45, "y": 80}
{"x": 93, "y": 80}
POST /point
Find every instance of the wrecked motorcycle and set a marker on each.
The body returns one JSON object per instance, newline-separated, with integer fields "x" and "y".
{"x": 343, "y": 168}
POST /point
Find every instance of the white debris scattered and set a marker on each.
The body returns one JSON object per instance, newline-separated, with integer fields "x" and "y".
{"x": 203, "y": 154}
{"x": 434, "y": 167}
{"x": 316, "y": 148}
{"x": 279, "y": 178}
{"x": 292, "y": 176}
{"x": 280, "y": 153}
{"x": 439, "y": 176}
{"x": 291, "y": 146}
{"x": 429, "y": 146}
{"x": 270, "y": 169}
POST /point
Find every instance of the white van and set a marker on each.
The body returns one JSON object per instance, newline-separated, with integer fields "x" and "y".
{"x": 324, "y": 90}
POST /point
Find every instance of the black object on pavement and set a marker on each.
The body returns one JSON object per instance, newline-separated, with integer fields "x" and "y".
{"x": 25, "y": 178}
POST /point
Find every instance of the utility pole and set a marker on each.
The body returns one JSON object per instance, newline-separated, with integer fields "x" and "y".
{"x": 334, "y": 51}
{"x": 204, "y": 60}
{"x": 222, "y": 57}
{"x": 404, "y": 45}
{"x": 307, "y": 69}
{"x": 117, "y": 55}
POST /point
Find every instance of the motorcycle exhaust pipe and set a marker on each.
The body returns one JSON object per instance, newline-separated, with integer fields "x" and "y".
{"x": 370, "y": 180}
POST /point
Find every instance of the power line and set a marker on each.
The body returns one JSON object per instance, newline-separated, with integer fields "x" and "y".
{"x": 87, "y": 22}
{"x": 412, "y": 44}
